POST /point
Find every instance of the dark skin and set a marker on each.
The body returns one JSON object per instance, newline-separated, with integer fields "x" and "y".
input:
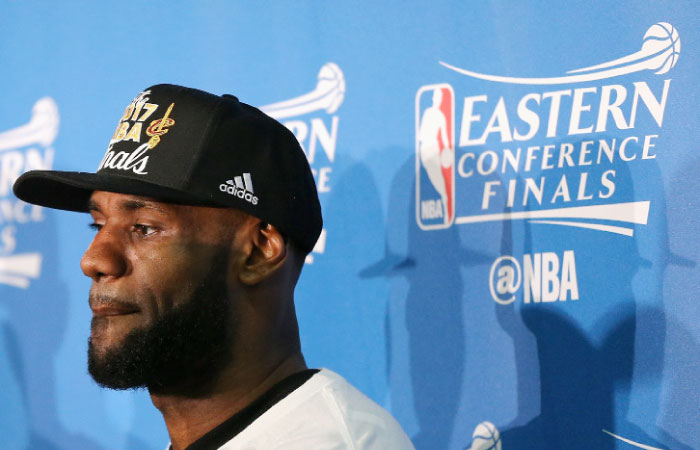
{"x": 148, "y": 257}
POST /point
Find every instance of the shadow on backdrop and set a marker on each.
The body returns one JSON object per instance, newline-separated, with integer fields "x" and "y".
{"x": 430, "y": 262}
{"x": 341, "y": 317}
{"x": 682, "y": 352}
{"x": 33, "y": 329}
{"x": 590, "y": 354}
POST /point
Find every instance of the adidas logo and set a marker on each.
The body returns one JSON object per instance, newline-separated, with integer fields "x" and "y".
{"x": 241, "y": 187}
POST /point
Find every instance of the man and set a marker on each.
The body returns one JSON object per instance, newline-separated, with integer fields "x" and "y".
{"x": 204, "y": 210}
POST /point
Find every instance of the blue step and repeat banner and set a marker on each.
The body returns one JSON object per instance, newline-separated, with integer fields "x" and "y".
{"x": 510, "y": 189}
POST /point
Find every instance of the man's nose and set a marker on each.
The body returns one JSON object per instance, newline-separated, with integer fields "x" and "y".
{"x": 104, "y": 259}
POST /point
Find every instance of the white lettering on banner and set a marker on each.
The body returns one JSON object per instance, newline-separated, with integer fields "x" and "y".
{"x": 431, "y": 209}
{"x": 27, "y": 147}
{"x": 500, "y": 123}
{"x": 322, "y": 177}
{"x": 310, "y": 117}
{"x": 546, "y": 150}
{"x": 17, "y": 211}
{"x": 545, "y": 278}
{"x": 561, "y": 156}
{"x": 14, "y": 163}
{"x": 320, "y": 134}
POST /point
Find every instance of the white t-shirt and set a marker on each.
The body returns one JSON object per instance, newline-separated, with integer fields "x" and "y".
{"x": 324, "y": 413}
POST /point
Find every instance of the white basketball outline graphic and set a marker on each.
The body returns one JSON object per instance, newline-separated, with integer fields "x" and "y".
{"x": 661, "y": 47}
{"x": 656, "y": 43}
{"x": 485, "y": 437}
{"x": 328, "y": 95}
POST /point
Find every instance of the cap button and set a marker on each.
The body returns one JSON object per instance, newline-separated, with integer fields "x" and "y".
{"x": 232, "y": 97}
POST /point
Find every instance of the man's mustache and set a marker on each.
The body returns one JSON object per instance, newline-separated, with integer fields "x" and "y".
{"x": 100, "y": 300}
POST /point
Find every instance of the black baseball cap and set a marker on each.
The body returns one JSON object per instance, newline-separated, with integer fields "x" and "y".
{"x": 187, "y": 146}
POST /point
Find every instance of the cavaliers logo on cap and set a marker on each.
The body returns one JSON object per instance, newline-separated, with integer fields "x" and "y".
{"x": 159, "y": 127}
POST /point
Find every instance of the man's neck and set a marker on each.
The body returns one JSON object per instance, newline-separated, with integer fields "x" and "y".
{"x": 188, "y": 418}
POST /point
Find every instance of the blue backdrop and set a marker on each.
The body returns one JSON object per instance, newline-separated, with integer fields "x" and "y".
{"x": 510, "y": 252}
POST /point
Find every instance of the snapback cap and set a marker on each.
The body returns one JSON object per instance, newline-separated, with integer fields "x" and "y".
{"x": 186, "y": 146}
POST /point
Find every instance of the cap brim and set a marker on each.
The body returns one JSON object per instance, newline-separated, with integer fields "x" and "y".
{"x": 71, "y": 191}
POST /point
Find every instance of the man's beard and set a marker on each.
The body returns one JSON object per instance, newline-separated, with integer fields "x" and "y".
{"x": 181, "y": 351}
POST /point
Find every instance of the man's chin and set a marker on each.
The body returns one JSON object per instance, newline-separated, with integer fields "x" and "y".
{"x": 99, "y": 346}
{"x": 110, "y": 332}
{"x": 99, "y": 350}
{"x": 111, "y": 362}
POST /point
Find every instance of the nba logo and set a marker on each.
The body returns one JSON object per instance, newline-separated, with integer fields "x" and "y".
{"x": 435, "y": 156}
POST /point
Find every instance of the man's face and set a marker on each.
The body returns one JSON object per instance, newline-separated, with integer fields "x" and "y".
{"x": 161, "y": 290}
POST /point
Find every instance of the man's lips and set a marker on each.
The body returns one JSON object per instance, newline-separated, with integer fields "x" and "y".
{"x": 106, "y": 306}
{"x": 104, "y": 311}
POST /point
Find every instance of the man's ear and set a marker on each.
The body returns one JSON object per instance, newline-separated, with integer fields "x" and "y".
{"x": 268, "y": 253}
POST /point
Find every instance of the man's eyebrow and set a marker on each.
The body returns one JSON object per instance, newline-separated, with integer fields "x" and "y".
{"x": 92, "y": 206}
{"x": 133, "y": 205}
{"x": 130, "y": 205}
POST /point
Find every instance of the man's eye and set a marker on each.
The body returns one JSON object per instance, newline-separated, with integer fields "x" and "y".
{"x": 144, "y": 230}
{"x": 95, "y": 226}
